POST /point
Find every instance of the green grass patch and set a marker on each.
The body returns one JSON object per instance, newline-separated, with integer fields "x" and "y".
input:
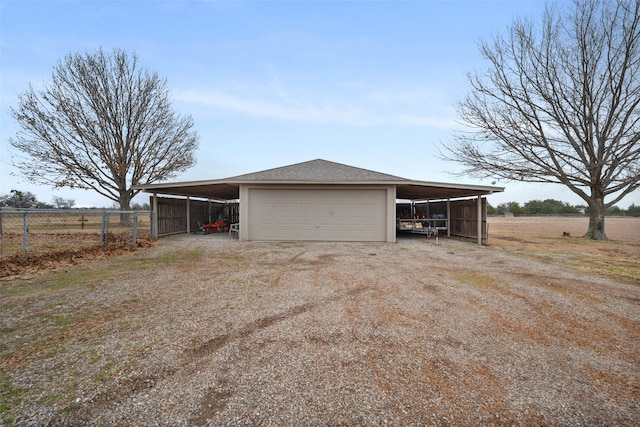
{"x": 77, "y": 276}
{"x": 10, "y": 397}
{"x": 53, "y": 282}
{"x": 628, "y": 272}
{"x": 481, "y": 281}
{"x": 172, "y": 258}
{"x": 105, "y": 372}
{"x": 181, "y": 259}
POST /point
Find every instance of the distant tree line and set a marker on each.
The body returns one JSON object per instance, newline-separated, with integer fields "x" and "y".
{"x": 28, "y": 200}
{"x": 554, "y": 207}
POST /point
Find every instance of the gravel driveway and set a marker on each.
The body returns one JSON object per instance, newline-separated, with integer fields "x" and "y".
{"x": 204, "y": 330}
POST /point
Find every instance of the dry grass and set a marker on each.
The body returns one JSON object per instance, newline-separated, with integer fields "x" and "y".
{"x": 543, "y": 238}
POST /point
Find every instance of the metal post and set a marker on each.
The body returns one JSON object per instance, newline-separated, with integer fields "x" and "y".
{"x": 154, "y": 217}
{"x": 188, "y": 215}
{"x": 105, "y": 228}
{"x": 480, "y": 220}
{"x": 135, "y": 228}
{"x": 102, "y": 230}
{"x": 448, "y": 217}
{"x": 25, "y": 233}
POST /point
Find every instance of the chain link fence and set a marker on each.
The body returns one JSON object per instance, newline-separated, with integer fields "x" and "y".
{"x": 32, "y": 232}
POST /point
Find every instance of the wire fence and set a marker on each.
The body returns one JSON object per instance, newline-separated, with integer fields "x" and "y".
{"x": 32, "y": 232}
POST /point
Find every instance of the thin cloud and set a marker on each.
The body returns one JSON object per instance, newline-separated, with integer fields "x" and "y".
{"x": 368, "y": 113}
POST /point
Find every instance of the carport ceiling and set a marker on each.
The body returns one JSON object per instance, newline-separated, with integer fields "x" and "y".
{"x": 433, "y": 190}
{"x": 409, "y": 191}
{"x": 199, "y": 189}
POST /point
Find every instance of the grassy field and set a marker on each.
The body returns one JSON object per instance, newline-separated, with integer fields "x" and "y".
{"x": 543, "y": 237}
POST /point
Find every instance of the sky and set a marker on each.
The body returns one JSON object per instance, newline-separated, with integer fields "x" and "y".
{"x": 371, "y": 84}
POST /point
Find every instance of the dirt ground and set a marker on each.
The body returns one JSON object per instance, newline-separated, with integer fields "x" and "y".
{"x": 536, "y": 329}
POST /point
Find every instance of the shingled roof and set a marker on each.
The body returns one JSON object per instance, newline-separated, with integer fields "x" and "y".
{"x": 318, "y": 170}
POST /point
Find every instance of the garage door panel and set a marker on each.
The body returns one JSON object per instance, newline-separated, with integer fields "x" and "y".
{"x": 297, "y": 210}
{"x": 348, "y": 215}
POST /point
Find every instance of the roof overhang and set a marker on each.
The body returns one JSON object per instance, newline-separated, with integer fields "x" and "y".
{"x": 216, "y": 189}
{"x": 423, "y": 190}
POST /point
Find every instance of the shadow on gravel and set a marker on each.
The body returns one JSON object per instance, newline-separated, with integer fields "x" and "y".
{"x": 215, "y": 398}
{"x": 214, "y": 344}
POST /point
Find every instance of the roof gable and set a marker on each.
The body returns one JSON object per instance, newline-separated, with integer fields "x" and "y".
{"x": 316, "y": 171}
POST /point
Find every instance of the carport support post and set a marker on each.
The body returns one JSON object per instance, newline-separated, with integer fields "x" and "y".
{"x": 448, "y": 217}
{"x": 154, "y": 216}
{"x": 188, "y": 215}
{"x": 480, "y": 220}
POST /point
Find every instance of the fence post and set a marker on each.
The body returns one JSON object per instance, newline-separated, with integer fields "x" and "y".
{"x": 25, "y": 234}
{"x": 102, "y": 230}
{"x": 135, "y": 228}
{"x": 105, "y": 228}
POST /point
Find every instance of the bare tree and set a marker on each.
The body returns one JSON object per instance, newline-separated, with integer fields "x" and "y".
{"x": 103, "y": 123}
{"x": 559, "y": 103}
{"x": 62, "y": 203}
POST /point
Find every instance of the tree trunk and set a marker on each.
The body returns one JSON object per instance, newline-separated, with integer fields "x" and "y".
{"x": 125, "y": 218}
{"x": 596, "y": 220}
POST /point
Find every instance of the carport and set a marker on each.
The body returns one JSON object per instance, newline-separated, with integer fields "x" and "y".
{"x": 321, "y": 200}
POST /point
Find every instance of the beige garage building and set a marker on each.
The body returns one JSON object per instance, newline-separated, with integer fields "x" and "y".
{"x": 318, "y": 200}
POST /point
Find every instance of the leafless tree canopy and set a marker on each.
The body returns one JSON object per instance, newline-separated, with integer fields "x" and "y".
{"x": 559, "y": 103}
{"x": 103, "y": 123}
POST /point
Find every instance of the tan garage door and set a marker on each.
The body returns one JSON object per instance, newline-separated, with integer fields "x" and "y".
{"x": 330, "y": 215}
